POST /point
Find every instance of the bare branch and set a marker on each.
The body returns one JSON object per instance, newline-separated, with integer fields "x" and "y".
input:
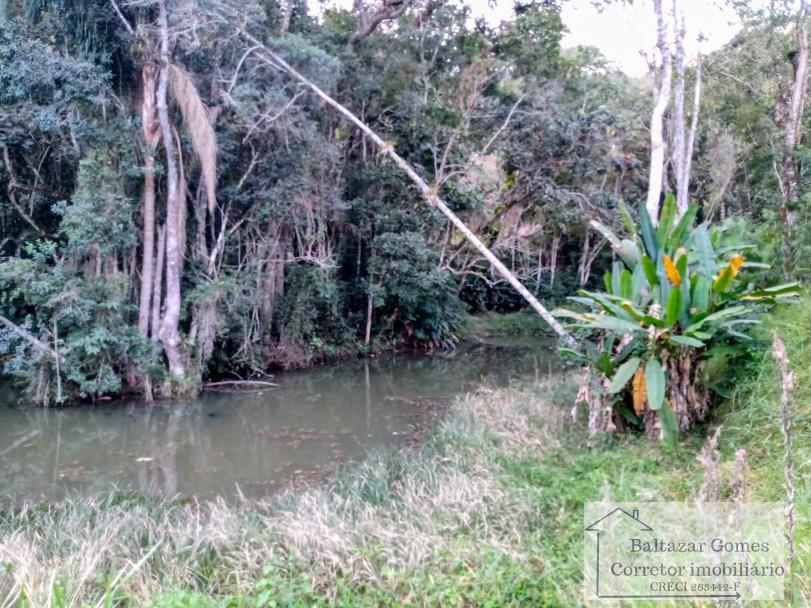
{"x": 390, "y": 10}
{"x": 29, "y": 337}
{"x": 122, "y": 18}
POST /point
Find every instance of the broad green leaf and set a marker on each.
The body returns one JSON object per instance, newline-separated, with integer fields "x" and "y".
{"x": 723, "y": 313}
{"x": 770, "y": 292}
{"x": 701, "y": 295}
{"x": 562, "y": 313}
{"x": 629, "y": 252}
{"x": 624, "y": 373}
{"x": 686, "y": 341}
{"x": 638, "y": 283}
{"x": 650, "y": 271}
{"x": 670, "y": 423}
{"x": 655, "y": 383}
{"x": 630, "y": 416}
{"x": 682, "y": 229}
{"x": 616, "y": 277}
{"x": 704, "y": 251}
{"x": 626, "y": 285}
{"x": 666, "y": 217}
{"x": 723, "y": 280}
{"x": 605, "y": 365}
{"x": 648, "y": 233}
{"x": 681, "y": 266}
{"x": 686, "y": 302}
{"x": 608, "y": 281}
{"x": 607, "y": 233}
{"x": 673, "y": 307}
{"x": 607, "y": 304}
{"x": 614, "y": 324}
{"x": 625, "y": 214}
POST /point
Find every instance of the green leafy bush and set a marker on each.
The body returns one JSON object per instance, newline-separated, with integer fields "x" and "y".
{"x": 673, "y": 314}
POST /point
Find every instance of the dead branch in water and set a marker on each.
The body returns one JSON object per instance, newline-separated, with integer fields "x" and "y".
{"x": 239, "y": 383}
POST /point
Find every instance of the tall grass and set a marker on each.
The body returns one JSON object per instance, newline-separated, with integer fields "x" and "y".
{"x": 751, "y": 421}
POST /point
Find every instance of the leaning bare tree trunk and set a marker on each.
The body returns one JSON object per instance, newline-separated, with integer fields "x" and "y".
{"x": 428, "y": 193}
{"x": 151, "y": 129}
{"x": 660, "y": 103}
{"x": 28, "y": 336}
{"x": 168, "y": 332}
{"x": 790, "y": 178}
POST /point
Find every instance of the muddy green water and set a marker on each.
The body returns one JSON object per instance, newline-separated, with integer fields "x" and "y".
{"x": 248, "y": 442}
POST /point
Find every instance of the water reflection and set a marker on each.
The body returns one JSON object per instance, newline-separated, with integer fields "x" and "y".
{"x": 251, "y": 442}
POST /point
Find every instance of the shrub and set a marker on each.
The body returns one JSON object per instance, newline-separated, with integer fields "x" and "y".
{"x": 673, "y": 314}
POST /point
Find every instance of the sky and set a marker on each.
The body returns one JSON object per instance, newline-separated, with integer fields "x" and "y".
{"x": 621, "y": 30}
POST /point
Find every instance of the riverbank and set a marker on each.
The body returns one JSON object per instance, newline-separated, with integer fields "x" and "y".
{"x": 487, "y": 511}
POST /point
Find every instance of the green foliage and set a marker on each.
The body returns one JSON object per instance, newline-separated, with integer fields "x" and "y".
{"x": 673, "y": 295}
{"x": 98, "y": 220}
{"x": 74, "y": 295}
{"x": 40, "y": 87}
{"x": 311, "y": 311}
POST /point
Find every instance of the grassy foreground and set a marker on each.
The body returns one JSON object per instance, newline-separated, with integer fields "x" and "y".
{"x": 488, "y": 512}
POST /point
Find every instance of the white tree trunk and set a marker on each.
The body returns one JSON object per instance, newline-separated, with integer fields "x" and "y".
{"x": 168, "y": 332}
{"x": 684, "y": 201}
{"x": 151, "y": 129}
{"x": 679, "y": 156}
{"x": 660, "y": 103}
{"x": 793, "y": 129}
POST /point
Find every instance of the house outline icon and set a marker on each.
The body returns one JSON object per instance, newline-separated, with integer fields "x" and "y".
{"x": 634, "y": 516}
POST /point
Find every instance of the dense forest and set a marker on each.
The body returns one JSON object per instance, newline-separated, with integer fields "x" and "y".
{"x": 176, "y": 207}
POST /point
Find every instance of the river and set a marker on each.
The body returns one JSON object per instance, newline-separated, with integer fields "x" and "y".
{"x": 249, "y": 443}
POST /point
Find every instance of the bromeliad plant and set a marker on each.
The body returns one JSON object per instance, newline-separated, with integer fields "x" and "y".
{"x": 671, "y": 318}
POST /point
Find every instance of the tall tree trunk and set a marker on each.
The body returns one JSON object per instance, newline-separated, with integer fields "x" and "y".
{"x": 660, "y": 103}
{"x": 287, "y": 14}
{"x": 157, "y": 290}
{"x": 428, "y": 193}
{"x": 793, "y": 112}
{"x": 679, "y": 156}
{"x": 151, "y": 129}
{"x": 169, "y": 333}
{"x": 684, "y": 197}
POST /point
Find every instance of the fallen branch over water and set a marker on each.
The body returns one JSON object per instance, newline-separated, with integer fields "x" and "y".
{"x": 36, "y": 342}
{"x": 429, "y": 193}
{"x": 239, "y": 383}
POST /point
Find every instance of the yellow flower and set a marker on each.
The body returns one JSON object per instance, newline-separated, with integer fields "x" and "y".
{"x": 735, "y": 263}
{"x": 640, "y": 391}
{"x": 672, "y": 273}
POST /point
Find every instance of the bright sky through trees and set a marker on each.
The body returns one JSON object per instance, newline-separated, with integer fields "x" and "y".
{"x": 623, "y": 31}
